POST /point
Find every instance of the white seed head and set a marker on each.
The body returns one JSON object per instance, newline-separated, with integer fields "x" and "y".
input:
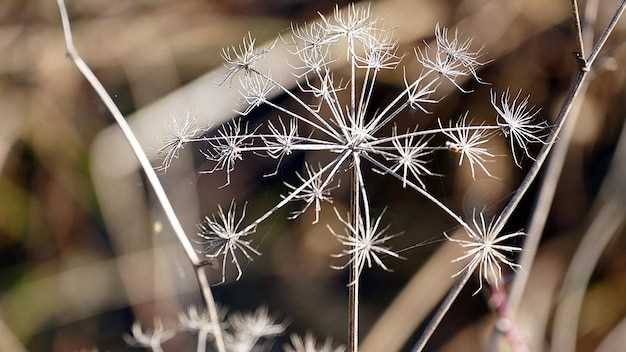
{"x": 228, "y": 148}
{"x": 314, "y": 194}
{"x": 242, "y": 58}
{"x": 195, "y": 319}
{"x": 248, "y": 328}
{"x": 484, "y": 250}
{"x": 354, "y": 24}
{"x": 310, "y": 344}
{"x": 517, "y": 121}
{"x": 380, "y": 52}
{"x": 222, "y": 236}
{"x": 181, "y": 132}
{"x": 364, "y": 244}
{"x": 468, "y": 143}
{"x": 458, "y": 50}
{"x": 152, "y": 339}
{"x": 410, "y": 157}
{"x": 255, "y": 90}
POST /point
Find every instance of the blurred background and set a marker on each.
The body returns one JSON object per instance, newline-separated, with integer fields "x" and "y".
{"x": 85, "y": 250}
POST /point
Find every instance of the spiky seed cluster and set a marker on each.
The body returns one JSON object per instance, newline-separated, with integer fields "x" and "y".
{"x": 485, "y": 250}
{"x": 517, "y": 120}
{"x": 246, "y": 329}
{"x": 310, "y": 344}
{"x": 222, "y": 236}
{"x": 315, "y": 193}
{"x": 182, "y": 132}
{"x": 341, "y": 123}
{"x": 459, "y": 50}
{"x": 152, "y": 339}
{"x": 225, "y": 151}
{"x": 241, "y": 58}
{"x": 409, "y": 157}
{"x": 469, "y": 144}
{"x": 242, "y": 331}
{"x": 364, "y": 244}
{"x": 195, "y": 319}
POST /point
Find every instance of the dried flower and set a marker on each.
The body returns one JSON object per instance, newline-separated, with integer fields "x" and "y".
{"x": 222, "y": 236}
{"x": 182, "y": 132}
{"x": 152, "y": 339}
{"x": 517, "y": 121}
{"x": 484, "y": 250}
{"x": 350, "y": 133}
{"x": 365, "y": 244}
{"x": 248, "y": 328}
{"x": 242, "y": 58}
{"x": 309, "y": 344}
{"x": 469, "y": 144}
{"x": 409, "y": 156}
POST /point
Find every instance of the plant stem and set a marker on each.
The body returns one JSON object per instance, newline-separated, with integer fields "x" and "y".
{"x": 202, "y": 335}
{"x": 153, "y": 179}
{"x": 606, "y": 33}
{"x": 549, "y": 183}
{"x": 443, "y": 309}
{"x": 579, "y": 30}
{"x": 504, "y": 324}
{"x": 212, "y": 308}
{"x": 561, "y": 118}
{"x": 353, "y": 287}
{"x": 574, "y": 90}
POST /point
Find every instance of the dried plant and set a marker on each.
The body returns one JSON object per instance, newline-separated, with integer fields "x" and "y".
{"x": 152, "y": 339}
{"x": 353, "y": 134}
{"x": 242, "y": 331}
{"x": 310, "y": 344}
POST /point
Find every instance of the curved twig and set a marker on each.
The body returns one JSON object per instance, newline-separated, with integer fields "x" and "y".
{"x": 153, "y": 179}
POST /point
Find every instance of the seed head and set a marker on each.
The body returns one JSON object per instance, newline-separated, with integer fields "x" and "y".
{"x": 484, "y": 250}
{"x": 222, "y": 236}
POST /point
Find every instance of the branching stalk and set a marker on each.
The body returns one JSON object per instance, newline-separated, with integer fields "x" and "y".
{"x": 561, "y": 118}
{"x": 153, "y": 179}
{"x": 353, "y": 287}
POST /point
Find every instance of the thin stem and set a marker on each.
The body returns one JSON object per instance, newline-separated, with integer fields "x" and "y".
{"x": 128, "y": 134}
{"x": 257, "y": 136}
{"x": 541, "y": 211}
{"x": 296, "y": 147}
{"x": 562, "y": 117}
{"x": 153, "y": 179}
{"x": 548, "y": 185}
{"x": 202, "y": 337}
{"x": 331, "y": 132}
{"x": 353, "y": 85}
{"x": 606, "y": 33}
{"x": 212, "y": 308}
{"x": 422, "y": 191}
{"x": 363, "y": 90}
{"x": 337, "y": 163}
{"x": 393, "y": 102}
{"x": 353, "y": 288}
{"x": 430, "y": 131}
{"x": 579, "y": 31}
{"x": 443, "y": 309}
